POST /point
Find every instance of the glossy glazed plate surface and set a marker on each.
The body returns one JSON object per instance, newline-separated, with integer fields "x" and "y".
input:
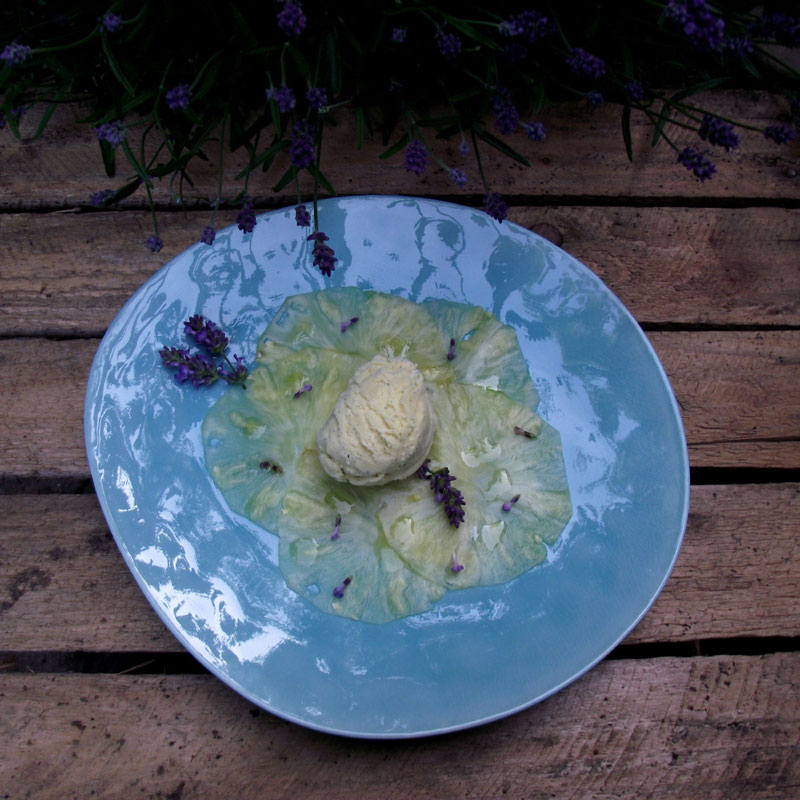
{"x": 481, "y": 653}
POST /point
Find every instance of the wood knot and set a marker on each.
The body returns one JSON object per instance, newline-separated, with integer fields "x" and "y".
{"x": 549, "y": 232}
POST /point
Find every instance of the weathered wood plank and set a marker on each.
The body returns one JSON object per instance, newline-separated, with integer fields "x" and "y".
{"x": 64, "y": 586}
{"x": 63, "y": 583}
{"x": 685, "y": 265}
{"x": 714, "y": 728}
{"x": 737, "y": 391}
{"x": 582, "y": 155}
{"x": 42, "y": 435}
{"x": 738, "y": 570}
{"x": 71, "y": 273}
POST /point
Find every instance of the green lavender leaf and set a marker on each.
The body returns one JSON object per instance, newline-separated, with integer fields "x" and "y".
{"x": 321, "y": 179}
{"x": 396, "y": 147}
{"x": 499, "y": 144}
{"x": 626, "y": 131}
{"x": 114, "y": 66}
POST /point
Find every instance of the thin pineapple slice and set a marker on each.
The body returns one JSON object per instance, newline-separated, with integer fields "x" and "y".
{"x": 475, "y": 440}
{"x": 253, "y": 438}
{"x": 386, "y": 324}
{"x": 382, "y": 587}
{"x": 486, "y": 352}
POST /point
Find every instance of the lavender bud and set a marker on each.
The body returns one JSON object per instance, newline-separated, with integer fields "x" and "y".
{"x": 339, "y": 590}
{"x": 246, "y": 219}
{"x": 154, "y": 244}
{"x": 323, "y": 256}
{"x": 302, "y": 216}
{"x": 178, "y": 97}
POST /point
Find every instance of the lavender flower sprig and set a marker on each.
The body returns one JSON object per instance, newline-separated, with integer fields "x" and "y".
{"x": 302, "y": 217}
{"x": 291, "y": 19}
{"x": 199, "y": 369}
{"x": 206, "y": 333}
{"x": 15, "y": 53}
{"x": 246, "y": 218}
{"x": 697, "y": 163}
{"x": 416, "y": 157}
{"x": 440, "y": 482}
{"x": 154, "y": 243}
{"x": 283, "y": 96}
{"x": 111, "y": 22}
{"x": 178, "y": 97}
{"x": 322, "y": 253}
{"x": 718, "y": 132}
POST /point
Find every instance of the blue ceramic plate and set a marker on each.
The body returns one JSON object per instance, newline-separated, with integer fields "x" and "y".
{"x": 481, "y": 653}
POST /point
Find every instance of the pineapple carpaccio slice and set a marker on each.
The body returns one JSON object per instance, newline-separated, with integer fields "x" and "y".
{"x": 487, "y": 352}
{"x": 382, "y": 586}
{"x": 475, "y": 440}
{"x": 388, "y": 324}
{"x": 395, "y": 545}
{"x": 266, "y": 424}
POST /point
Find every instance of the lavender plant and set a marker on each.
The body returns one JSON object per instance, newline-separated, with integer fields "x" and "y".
{"x": 274, "y": 90}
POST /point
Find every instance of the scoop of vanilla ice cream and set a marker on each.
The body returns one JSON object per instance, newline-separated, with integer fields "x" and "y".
{"x": 381, "y": 427}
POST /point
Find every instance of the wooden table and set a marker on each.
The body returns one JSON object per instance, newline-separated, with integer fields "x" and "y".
{"x": 701, "y": 700}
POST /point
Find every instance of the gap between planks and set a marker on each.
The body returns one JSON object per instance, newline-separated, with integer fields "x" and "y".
{"x": 41, "y": 662}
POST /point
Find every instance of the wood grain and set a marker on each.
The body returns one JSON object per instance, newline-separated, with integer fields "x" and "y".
{"x": 582, "y": 155}
{"x": 737, "y": 394}
{"x": 738, "y": 569}
{"x": 711, "y": 268}
{"x": 733, "y": 389}
{"x": 715, "y": 728}
{"x": 43, "y": 409}
{"x": 677, "y": 266}
{"x": 64, "y": 586}
{"x": 63, "y": 583}
{"x": 69, "y": 274}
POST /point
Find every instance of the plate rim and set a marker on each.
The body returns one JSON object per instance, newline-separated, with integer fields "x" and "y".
{"x": 243, "y": 691}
